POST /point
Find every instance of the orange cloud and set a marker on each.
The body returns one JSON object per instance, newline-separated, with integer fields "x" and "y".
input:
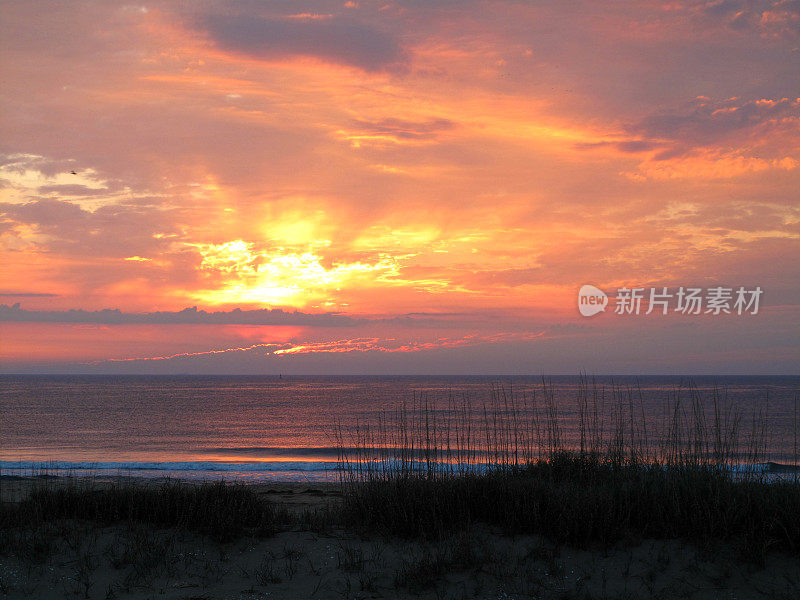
{"x": 380, "y": 161}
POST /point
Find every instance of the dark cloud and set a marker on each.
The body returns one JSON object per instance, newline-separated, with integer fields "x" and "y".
{"x": 26, "y": 295}
{"x": 634, "y": 146}
{"x": 115, "y": 230}
{"x": 194, "y": 316}
{"x": 335, "y": 39}
{"x": 50, "y": 215}
{"x": 628, "y": 146}
{"x": 767, "y": 17}
{"x": 186, "y": 316}
{"x": 703, "y": 121}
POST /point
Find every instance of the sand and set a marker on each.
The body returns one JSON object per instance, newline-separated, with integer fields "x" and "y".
{"x": 144, "y": 562}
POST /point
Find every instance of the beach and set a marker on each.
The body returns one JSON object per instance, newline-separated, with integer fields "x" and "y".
{"x": 313, "y": 555}
{"x": 530, "y": 490}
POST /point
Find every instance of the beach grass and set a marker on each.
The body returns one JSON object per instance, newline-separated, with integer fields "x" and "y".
{"x": 584, "y": 501}
{"x": 221, "y": 510}
{"x": 696, "y": 475}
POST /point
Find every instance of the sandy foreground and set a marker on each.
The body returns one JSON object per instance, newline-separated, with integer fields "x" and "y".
{"x": 323, "y": 561}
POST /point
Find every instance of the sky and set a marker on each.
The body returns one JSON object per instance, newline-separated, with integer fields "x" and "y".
{"x": 397, "y": 187}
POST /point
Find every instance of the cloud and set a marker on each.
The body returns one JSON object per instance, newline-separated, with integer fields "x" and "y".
{"x": 72, "y": 190}
{"x": 422, "y": 162}
{"x": 703, "y": 122}
{"x": 26, "y": 295}
{"x": 709, "y": 166}
{"x": 393, "y": 131}
{"x": 335, "y": 39}
{"x": 186, "y": 316}
{"x": 113, "y": 231}
{"x": 19, "y": 163}
{"x": 707, "y": 139}
{"x": 405, "y": 130}
{"x": 712, "y": 139}
{"x": 45, "y": 213}
{"x": 355, "y": 345}
{"x": 769, "y": 18}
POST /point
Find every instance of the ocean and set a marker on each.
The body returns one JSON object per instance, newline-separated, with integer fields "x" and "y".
{"x": 266, "y": 428}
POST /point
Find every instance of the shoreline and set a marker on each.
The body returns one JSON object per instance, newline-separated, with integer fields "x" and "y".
{"x": 258, "y": 473}
{"x": 298, "y": 495}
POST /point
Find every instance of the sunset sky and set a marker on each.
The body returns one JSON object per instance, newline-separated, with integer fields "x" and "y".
{"x": 395, "y": 187}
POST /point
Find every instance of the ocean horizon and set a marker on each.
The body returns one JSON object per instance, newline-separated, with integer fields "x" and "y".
{"x": 271, "y": 428}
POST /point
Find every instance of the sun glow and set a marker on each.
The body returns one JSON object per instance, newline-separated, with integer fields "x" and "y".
{"x": 278, "y": 277}
{"x": 426, "y": 172}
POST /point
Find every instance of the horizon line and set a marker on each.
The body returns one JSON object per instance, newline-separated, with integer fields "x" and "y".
{"x": 144, "y": 374}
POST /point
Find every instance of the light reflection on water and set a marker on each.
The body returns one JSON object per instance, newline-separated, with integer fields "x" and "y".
{"x": 267, "y": 425}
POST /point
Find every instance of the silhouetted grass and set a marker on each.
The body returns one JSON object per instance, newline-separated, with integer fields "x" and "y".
{"x": 219, "y": 509}
{"x": 423, "y": 473}
{"x": 580, "y": 500}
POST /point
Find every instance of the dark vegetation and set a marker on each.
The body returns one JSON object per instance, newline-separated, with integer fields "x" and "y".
{"x": 695, "y": 472}
{"x": 222, "y": 511}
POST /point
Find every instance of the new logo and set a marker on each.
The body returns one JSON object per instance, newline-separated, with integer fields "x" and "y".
{"x": 591, "y": 300}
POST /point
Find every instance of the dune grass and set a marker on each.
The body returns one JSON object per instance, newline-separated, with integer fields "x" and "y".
{"x": 424, "y": 472}
{"x": 580, "y": 500}
{"x": 221, "y": 510}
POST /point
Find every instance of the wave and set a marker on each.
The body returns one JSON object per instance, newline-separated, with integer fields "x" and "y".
{"x": 767, "y": 467}
{"x": 270, "y": 470}
{"x": 212, "y": 466}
